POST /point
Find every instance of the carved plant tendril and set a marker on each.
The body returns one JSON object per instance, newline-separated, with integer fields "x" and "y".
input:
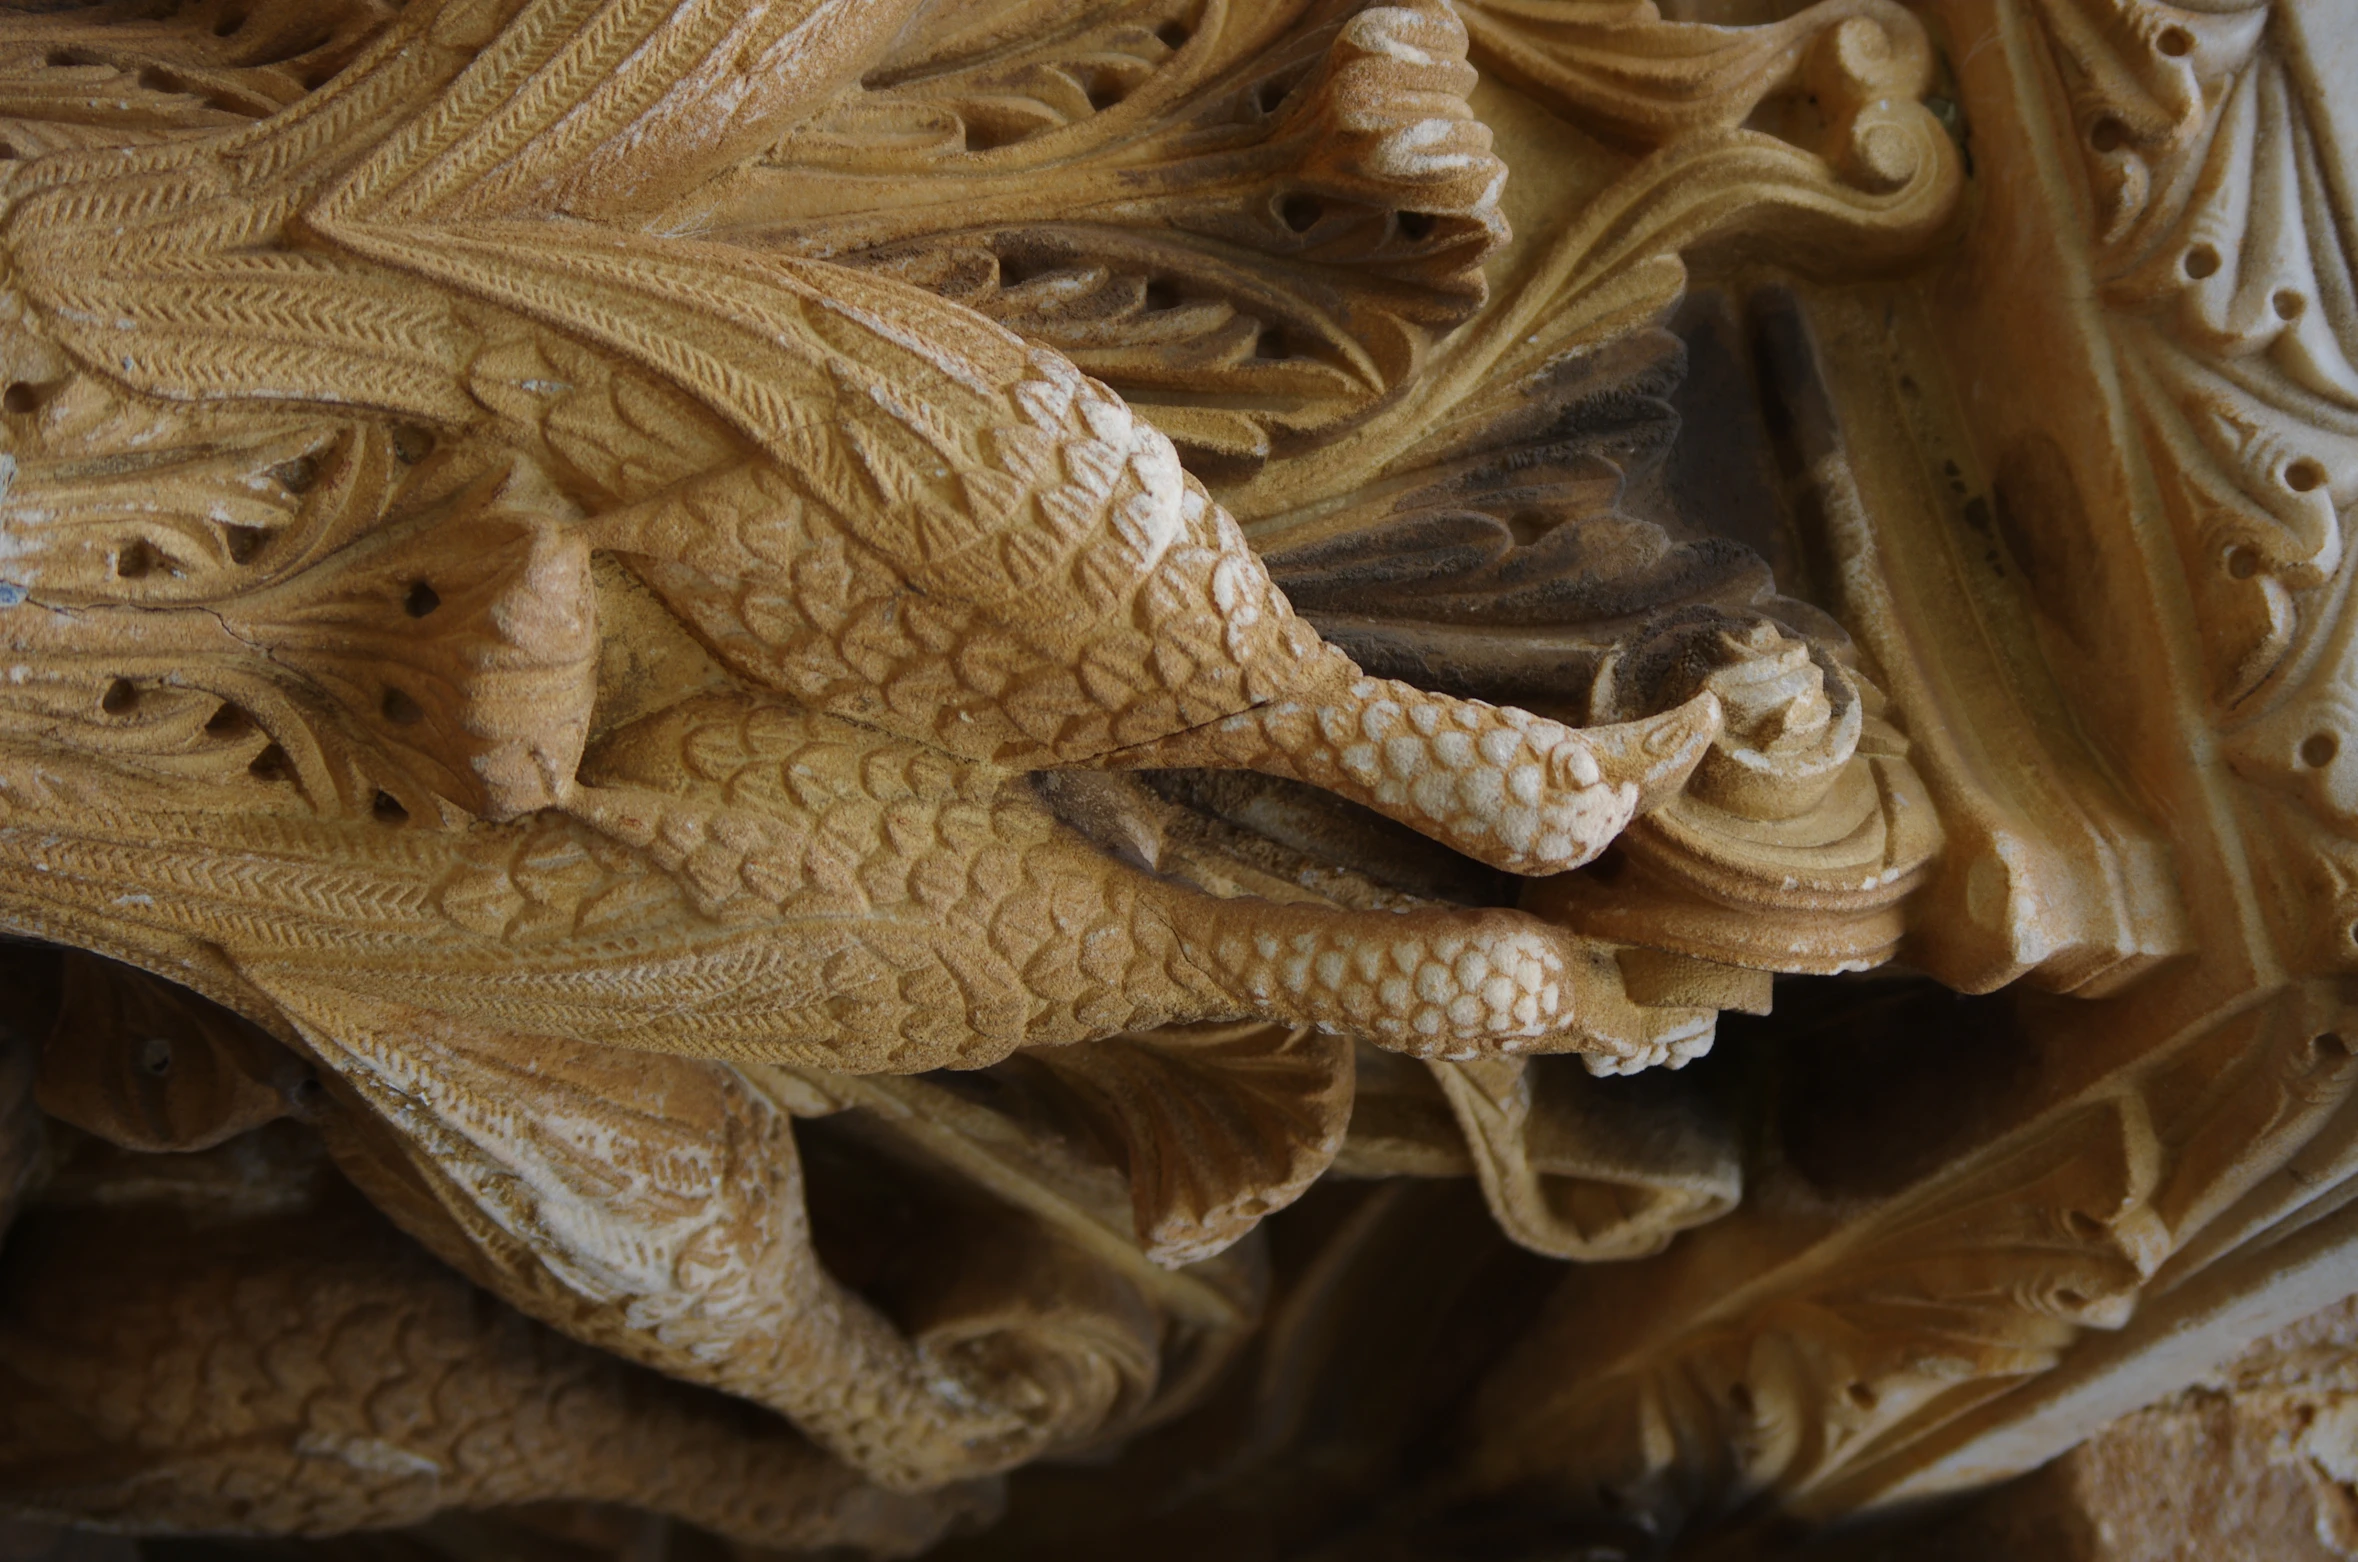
{"x": 751, "y": 752}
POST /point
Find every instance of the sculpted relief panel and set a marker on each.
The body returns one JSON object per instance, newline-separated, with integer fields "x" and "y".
{"x": 914, "y": 774}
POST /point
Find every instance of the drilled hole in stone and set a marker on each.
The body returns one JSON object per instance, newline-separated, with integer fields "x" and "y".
{"x": 2108, "y": 134}
{"x": 156, "y": 79}
{"x": 137, "y": 559}
{"x": 400, "y": 709}
{"x": 227, "y": 722}
{"x": 2240, "y": 562}
{"x": 228, "y": 24}
{"x": 1014, "y": 271}
{"x": 388, "y": 810}
{"x": 2289, "y": 304}
{"x": 1173, "y": 35}
{"x": 1301, "y": 212}
{"x": 21, "y": 398}
{"x": 120, "y": 696}
{"x": 1105, "y": 92}
{"x": 1272, "y": 343}
{"x": 2201, "y": 261}
{"x": 2176, "y": 42}
{"x": 2071, "y": 1298}
{"x": 422, "y": 599}
{"x": 1861, "y": 1396}
{"x": 1415, "y": 226}
{"x": 297, "y": 476}
{"x": 8, "y": 154}
{"x": 987, "y": 138}
{"x": 2304, "y": 476}
{"x": 66, "y": 59}
{"x": 412, "y": 444}
{"x": 2318, "y": 749}
{"x": 270, "y": 765}
{"x": 1269, "y": 94}
{"x": 319, "y": 76}
{"x": 1162, "y": 294}
{"x": 2330, "y": 1045}
{"x": 155, "y": 1056}
{"x": 245, "y": 542}
{"x": 2084, "y": 1225}
{"x": 1740, "y": 1396}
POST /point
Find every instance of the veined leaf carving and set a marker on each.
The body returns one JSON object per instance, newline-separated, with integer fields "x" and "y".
{"x": 1572, "y": 1175}
{"x": 1535, "y": 506}
{"x": 251, "y": 608}
{"x": 792, "y": 316}
{"x": 2220, "y": 241}
{"x": 1222, "y": 1124}
{"x": 2223, "y": 250}
{"x": 118, "y": 75}
{"x": 1250, "y": 220}
{"x": 1852, "y": 170}
{"x": 1620, "y": 68}
{"x": 1539, "y": 505}
{"x": 1867, "y": 1339}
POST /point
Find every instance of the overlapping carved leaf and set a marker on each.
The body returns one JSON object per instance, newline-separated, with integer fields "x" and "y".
{"x": 1250, "y": 220}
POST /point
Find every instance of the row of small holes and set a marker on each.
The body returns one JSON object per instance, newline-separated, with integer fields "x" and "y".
{"x": 399, "y": 707}
{"x": 272, "y": 765}
{"x": 2202, "y": 262}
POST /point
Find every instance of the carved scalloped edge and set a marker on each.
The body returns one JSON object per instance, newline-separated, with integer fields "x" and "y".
{"x": 2222, "y": 247}
{"x": 1869, "y": 1342}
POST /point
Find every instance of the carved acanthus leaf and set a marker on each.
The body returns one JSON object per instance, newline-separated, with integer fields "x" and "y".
{"x": 1873, "y": 1337}
{"x": 2223, "y": 250}
{"x": 1251, "y": 220}
{"x": 1573, "y": 1175}
{"x": 2222, "y": 247}
{"x": 115, "y": 74}
{"x": 1873, "y": 178}
{"x": 253, "y": 608}
{"x": 1222, "y": 1124}
{"x": 1803, "y": 831}
{"x": 1617, "y": 67}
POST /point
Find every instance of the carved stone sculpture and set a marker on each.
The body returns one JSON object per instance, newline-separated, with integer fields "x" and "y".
{"x": 1443, "y": 778}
